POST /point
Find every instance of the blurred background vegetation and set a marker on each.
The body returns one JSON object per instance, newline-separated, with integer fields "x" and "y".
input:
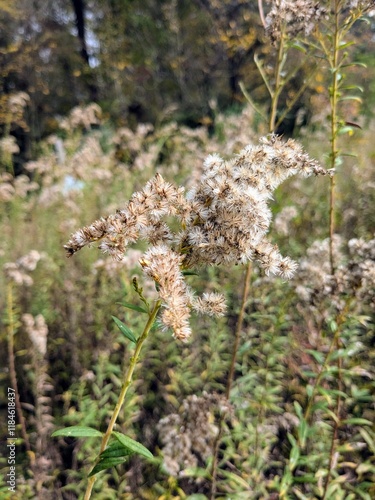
{"x": 143, "y": 61}
{"x": 95, "y": 97}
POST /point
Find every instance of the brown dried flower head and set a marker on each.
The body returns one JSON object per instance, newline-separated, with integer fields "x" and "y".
{"x": 290, "y": 18}
{"x": 354, "y": 275}
{"x": 224, "y": 219}
{"x": 18, "y": 272}
{"x": 188, "y": 436}
{"x": 37, "y": 330}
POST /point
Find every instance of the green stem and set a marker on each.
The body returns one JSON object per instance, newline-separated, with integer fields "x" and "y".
{"x": 278, "y": 85}
{"x": 11, "y": 330}
{"x": 334, "y": 152}
{"x": 124, "y": 389}
{"x": 336, "y": 423}
{"x": 318, "y": 378}
{"x": 335, "y": 344}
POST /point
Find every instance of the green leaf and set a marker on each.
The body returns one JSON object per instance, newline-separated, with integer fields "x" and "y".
{"x": 344, "y": 45}
{"x": 356, "y": 63}
{"x": 132, "y": 446}
{"x": 364, "y": 468}
{"x": 298, "y": 46}
{"x": 319, "y": 406}
{"x": 332, "y": 325}
{"x": 189, "y": 273}
{"x": 369, "y": 440}
{"x": 305, "y": 478}
{"x": 326, "y": 393}
{"x": 292, "y": 440}
{"x": 302, "y": 432}
{"x": 196, "y": 472}
{"x": 238, "y": 480}
{"x": 125, "y": 330}
{"x": 353, "y": 87}
{"x": 294, "y": 456}
{"x": 318, "y": 356}
{"x": 107, "y": 463}
{"x": 351, "y": 155}
{"x": 309, "y": 390}
{"x": 351, "y": 98}
{"x": 357, "y": 421}
{"x": 77, "y": 431}
{"x": 132, "y": 306}
{"x": 115, "y": 449}
{"x": 346, "y": 130}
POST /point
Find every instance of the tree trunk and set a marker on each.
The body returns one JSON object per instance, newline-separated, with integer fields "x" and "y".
{"x": 79, "y": 11}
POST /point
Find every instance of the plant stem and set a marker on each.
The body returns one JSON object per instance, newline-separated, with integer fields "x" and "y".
{"x": 230, "y": 378}
{"x": 237, "y": 335}
{"x": 261, "y": 13}
{"x": 278, "y": 85}
{"x": 336, "y": 423}
{"x": 334, "y": 152}
{"x": 335, "y": 343}
{"x": 124, "y": 389}
{"x": 11, "y": 330}
{"x": 333, "y": 156}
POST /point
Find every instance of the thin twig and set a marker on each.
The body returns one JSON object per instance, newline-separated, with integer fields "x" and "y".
{"x": 251, "y": 102}
{"x": 261, "y": 13}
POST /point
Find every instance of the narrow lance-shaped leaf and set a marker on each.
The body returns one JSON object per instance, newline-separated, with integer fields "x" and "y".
{"x": 115, "y": 454}
{"x": 77, "y": 431}
{"x": 124, "y": 330}
{"x": 115, "y": 449}
{"x": 132, "y": 306}
{"x": 132, "y": 445}
{"x": 357, "y": 421}
{"x": 107, "y": 463}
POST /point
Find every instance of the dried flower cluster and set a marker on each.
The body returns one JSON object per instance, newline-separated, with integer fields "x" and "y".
{"x": 188, "y": 436}
{"x": 283, "y": 219}
{"x": 83, "y": 117}
{"x": 15, "y": 105}
{"x": 354, "y": 275}
{"x": 12, "y": 187}
{"x": 18, "y": 271}
{"x": 9, "y": 146}
{"x": 223, "y": 220}
{"x": 37, "y": 330}
{"x": 17, "y": 102}
{"x": 113, "y": 267}
{"x": 363, "y": 5}
{"x": 163, "y": 265}
{"x": 290, "y": 18}
{"x": 229, "y": 207}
